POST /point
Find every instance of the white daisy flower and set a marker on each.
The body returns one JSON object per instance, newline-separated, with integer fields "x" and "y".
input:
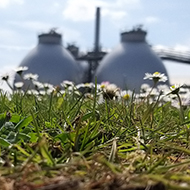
{"x": 156, "y": 77}
{"x": 126, "y": 94}
{"x": 5, "y": 77}
{"x": 19, "y": 85}
{"x": 67, "y": 83}
{"x": 37, "y": 84}
{"x": 19, "y": 70}
{"x": 175, "y": 88}
{"x": 30, "y": 76}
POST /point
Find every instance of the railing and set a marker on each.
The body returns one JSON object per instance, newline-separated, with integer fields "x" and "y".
{"x": 173, "y": 55}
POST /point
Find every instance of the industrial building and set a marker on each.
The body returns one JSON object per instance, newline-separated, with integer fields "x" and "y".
{"x": 51, "y": 61}
{"x": 125, "y": 66}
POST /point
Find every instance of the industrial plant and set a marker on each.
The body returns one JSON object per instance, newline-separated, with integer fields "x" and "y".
{"x": 124, "y": 66}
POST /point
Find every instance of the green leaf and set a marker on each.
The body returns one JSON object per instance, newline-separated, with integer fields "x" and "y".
{"x": 16, "y": 118}
{"x": 27, "y": 129}
{"x": 23, "y": 136}
{"x": 11, "y": 135}
{"x": 45, "y": 153}
{"x": 2, "y": 119}
{"x": 24, "y": 122}
{"x": 33, "y": 137}
{"x": 87, "y": 116}
{"x": 60, "y": 102}
{"x": 4, "y": 142}
{"x": 22, "y": 150}
{"x": 9, "y": 126}
{"x": 63, "y": 137}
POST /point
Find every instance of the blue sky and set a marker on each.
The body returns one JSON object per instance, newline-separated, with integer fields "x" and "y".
{"x": 167, "y": 24}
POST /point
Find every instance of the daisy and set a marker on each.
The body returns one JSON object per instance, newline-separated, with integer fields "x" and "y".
{"x": 5, "y": 77}
{"x": 110, "y": 91}
{"x": 67, "y": 83}
{"x": 175, "y": 88}
{"x": 20, "y": 70}
{"x": 30, "y": 76}
{"x": 19, "y": 85}
{"x": 156, "y": 77}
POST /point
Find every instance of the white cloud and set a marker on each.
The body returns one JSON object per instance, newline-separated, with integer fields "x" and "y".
{"x": 42, "y": 27}
{"x": 6, "y": 3}
{"x": 14, "y": 48}
{"x": 81, "y": 10}
{"x": 116, "y": 15}
{"x": 56, "y": 4}
{"x": 68, "y": 34}
{"x": 84, "y": 10}
{"x": 8, "y": 36}
{"x": 151, "y": 20}
{"x": 33, "y": 25}
{"x": 71, "y": 35}
{"x": 132, "y": 4}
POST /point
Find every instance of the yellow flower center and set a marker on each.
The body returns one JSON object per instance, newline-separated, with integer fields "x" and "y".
{"x": 126, "y": 96}
{"x": 156, "y": 73}
{"x": 102, "y": 86}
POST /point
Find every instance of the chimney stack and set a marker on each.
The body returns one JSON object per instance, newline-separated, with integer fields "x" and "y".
{"x": 97, "y": 31}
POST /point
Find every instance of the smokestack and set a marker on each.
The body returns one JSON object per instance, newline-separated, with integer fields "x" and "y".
{"x": 97, "y": 30}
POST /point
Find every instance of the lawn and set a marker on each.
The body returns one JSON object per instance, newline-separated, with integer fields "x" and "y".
{"x": 95, "y": 136}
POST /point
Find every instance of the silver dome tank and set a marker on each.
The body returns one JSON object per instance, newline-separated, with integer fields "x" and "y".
{"x": 51, "y": 61}
{"x": 127, "y": 64}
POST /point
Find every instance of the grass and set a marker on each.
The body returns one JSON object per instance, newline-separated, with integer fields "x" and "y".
{"x": 96, "y": 140}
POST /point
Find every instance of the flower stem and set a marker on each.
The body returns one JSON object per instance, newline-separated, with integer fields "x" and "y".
{"x": 181, "y": 108}
{"x": 9, "y": 85}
